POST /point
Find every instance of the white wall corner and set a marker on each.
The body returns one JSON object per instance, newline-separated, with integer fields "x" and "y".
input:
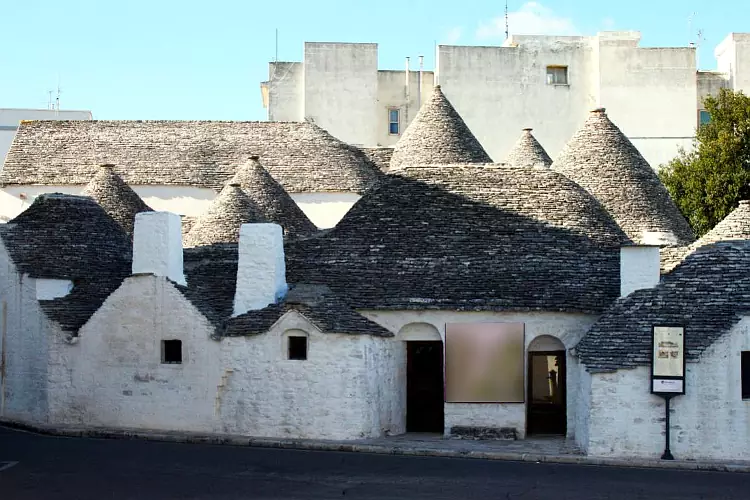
{"x": 51, "y": 289}
{"x": 639, "y": 268}
{"x": 658, "y": 238}
{"x": 157, "y": 245}
{"x": 261, "y": 269}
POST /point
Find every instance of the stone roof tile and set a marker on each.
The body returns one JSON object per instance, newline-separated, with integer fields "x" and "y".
{"x": 527, "y": 152}
{"x": 438, "y": 135}
{"x": 272, "y": 201}
{"x": 115, "y": 197}
{"x": 302, "y": 157}
{"x": 708, "y": 293}
{"x": 603, "y": 161}
{"x": 71, "y": 238}
{"x": 468, "y": 237}
{"x": 221, "y": 221}
{"x": 735, "y": 226}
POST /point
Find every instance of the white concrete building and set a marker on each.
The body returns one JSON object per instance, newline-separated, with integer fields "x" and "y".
{"x": 547, "y": 83}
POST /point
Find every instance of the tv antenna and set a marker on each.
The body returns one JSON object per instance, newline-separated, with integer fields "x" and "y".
{"x": 507, "y": 32}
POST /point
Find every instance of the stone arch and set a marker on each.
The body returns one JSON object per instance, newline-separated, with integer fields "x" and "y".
{"x": 419, "y": 332}
{"x": 546, "y": 343}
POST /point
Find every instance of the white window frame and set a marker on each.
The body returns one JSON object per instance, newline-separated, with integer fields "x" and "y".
{"x": 398, "y": 122}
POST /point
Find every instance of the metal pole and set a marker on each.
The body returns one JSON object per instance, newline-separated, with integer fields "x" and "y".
{"x": 667, "y": 453}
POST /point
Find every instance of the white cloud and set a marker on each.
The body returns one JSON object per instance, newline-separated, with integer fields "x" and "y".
{"x": 532, "y": 18}
{"x": 454, "y": 35}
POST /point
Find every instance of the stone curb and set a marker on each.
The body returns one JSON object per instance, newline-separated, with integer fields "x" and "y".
{"x": 355, "y": 447}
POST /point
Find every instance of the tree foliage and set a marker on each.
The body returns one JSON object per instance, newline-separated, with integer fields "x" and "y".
{"x": 709, "y": 181}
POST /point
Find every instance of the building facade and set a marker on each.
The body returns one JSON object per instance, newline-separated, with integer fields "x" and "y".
{"x": 547, "y": 83}
{"x": 10, "y": 118}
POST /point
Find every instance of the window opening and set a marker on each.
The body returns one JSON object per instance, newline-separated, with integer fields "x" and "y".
{"x": 171, "y": 352}
{"x": 297, "y": 348}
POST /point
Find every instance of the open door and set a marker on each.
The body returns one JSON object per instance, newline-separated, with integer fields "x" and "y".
{"x": 424, "y": 386}
{"x": 546, "y": 407}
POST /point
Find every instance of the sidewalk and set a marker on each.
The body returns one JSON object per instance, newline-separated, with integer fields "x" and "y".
{"x": 537, "y": 450}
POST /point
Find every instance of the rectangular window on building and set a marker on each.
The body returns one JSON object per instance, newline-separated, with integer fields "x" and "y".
{"x": 557, "y": 75}
{"x": 171, "y": 352}
{"x": 704, "y": 117}
{"x": 746, "y": 375}
{"x": 298, "y": 348}
{"x": 394, "y": 116}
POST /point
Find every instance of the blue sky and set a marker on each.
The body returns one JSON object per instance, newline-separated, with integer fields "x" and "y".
{"x": 168, "y": 59}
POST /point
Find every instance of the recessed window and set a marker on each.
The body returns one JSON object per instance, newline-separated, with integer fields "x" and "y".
{"x": 394, "y": 121}
{"x": 704, "y": 117}
{"x": 746, "y": 375}
{"x": 557, "y": 75}
{"x": 171, "y": 352}
{"x": 297, "y": 348}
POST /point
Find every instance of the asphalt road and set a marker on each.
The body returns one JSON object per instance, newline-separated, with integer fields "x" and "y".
{"x": 43, "y": 467}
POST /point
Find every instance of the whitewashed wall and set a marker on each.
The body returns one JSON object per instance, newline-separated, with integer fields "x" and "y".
{"x": 113, "y": 376}
{"x": 393, "y": 92}
{"x": 568, "y": 328}
{"x": 323, "y": 209}
{"x": 341, "y": 391}
{"x": 711, "y": 421}
{"x": 285, "y": 92}
{"x": 341, "y": 89}
{"x": 23, "y": 385}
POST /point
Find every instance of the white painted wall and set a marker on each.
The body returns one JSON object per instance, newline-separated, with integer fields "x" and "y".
{"x": 24, "y": 341}
{"x": 50, "y": 289}
{"x": 261, "y": 268}
{"x": 711, "y": 421}
{"x": 393, "y": 92}
{"x": 285, "y": 92}
{"x": 341, "y": 89}
{"x": 157, "y": 245}
{"x": 342, "y": 391}
{"x": 639, "y": 268}
{"x": 325, "y": 210}
{"x": 113, "y": 376}
{"x": 733, "y": 58}
{"x": 568, "y": 328}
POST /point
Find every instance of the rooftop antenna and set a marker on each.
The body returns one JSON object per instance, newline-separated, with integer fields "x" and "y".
{"x": 277, "y": 45}
{"x": 507, "y": 32}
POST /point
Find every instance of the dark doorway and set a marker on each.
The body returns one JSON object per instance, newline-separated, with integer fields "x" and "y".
{"x": 424, "y": 386}
{"x": 546, "y": 407}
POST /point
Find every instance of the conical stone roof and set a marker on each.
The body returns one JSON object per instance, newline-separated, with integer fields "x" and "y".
{"x": 271, "y": 199}
{"x": 604, "y": 162}
{"x": 438, "y": 135}
{"x": 115, "y": 197}
{"x": 735, "y": 226}
{"x": 527, "y": 152}
{"x": 222, "y": 220}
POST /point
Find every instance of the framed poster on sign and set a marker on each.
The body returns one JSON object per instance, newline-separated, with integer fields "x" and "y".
{"x": 668, "y": 359}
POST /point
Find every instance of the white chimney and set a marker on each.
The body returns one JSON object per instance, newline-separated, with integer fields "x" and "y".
{"x": 157, "y": 245}
{"x": 639, "y": 268}
{"x": 261, "y": 270}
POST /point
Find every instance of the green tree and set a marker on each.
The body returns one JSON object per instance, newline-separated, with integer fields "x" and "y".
{"x": 709, "y": 181}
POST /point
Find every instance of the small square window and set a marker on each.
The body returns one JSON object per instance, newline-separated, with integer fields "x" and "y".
{"x": 394, "y": 121}
{"x": 298, "y": 348}
{"x": 171, "y": 352}
{"x": 745, "y": 375}
{"x": 557, "y": 75}
{"x": 704, "y": 117}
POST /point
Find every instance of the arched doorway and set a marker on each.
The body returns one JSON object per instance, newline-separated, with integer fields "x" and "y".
{"x": 425, "y": 391}
{"x": 546, "y": 408}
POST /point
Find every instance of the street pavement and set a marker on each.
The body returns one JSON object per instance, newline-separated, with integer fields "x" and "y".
{"x": 37, "y": 467}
